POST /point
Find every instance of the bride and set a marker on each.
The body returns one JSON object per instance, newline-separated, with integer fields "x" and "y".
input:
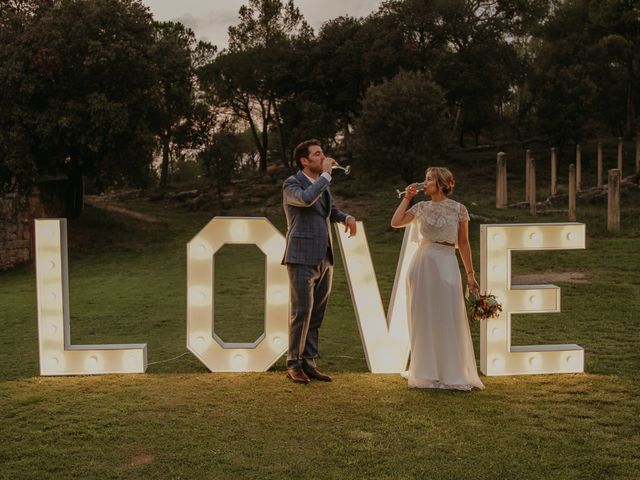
{"x": 441, "y": 347}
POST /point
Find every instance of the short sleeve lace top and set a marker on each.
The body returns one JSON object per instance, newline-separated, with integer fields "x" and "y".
{"x": 438, "y": 221}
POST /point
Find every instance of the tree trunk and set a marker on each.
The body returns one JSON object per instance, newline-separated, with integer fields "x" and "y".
{"x": 219, "y": 189}
{"x": 266, "y": 120}
{"x": 456, "y": 120}
{"x": 75, "y": 194}
{"x": 347, "y": 140}
{"x": 283, "y": 143}
{"x": 630, "y": 129}
{"x": 164, "y": 170}
{"x": 261, "y": 146}
{"x": 264, "y": 149}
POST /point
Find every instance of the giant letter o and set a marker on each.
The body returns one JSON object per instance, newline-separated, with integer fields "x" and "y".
{"x": 217, "y": 355}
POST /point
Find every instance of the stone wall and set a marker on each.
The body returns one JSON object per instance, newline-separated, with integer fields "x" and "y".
{"x": 16, "y": 227}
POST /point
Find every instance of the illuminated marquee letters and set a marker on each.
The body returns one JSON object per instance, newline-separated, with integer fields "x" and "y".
{"x": 497, "y": 355}
{"x": 386, "y": 348}
{"x": 217, "y": 355}
{"x": 57, "y": 355}
{"x": 385, "y": 337}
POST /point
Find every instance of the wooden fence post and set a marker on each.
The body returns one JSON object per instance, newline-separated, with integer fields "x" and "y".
{"x": 532, "y": 186}
{"x": 501, "y": 180}
{"x": 572, "y": 193}
{"x": 554, "y": 171}
{"x": 599, "y": 180}
{"x": 613, "y": 211}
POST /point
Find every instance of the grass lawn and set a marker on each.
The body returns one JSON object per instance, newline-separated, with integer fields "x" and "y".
{"x": 128, "y": 285}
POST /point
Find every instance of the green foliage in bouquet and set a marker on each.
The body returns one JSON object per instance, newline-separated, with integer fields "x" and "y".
{"x": 484, "y": 307}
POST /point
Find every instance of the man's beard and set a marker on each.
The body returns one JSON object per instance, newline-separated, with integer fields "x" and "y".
{"x": 316, "y": 170}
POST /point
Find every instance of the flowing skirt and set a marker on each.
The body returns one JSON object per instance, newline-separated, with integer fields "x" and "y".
{"x": 441, "y": 346}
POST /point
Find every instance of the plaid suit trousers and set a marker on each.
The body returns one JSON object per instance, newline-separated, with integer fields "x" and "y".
{"x": 310, "y": 289}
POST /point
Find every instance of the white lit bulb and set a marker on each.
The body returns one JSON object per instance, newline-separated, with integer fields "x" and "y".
{"x": 199, "y": 343}
{"x": 198, "y": 296}
{"x": 277, "y": 341}
{"x": 570, "y": 236}
{"x": 238, "y": 362}
{"x": 92, "y": 363}
{"x": 239, "y": 232}
{"x": 52, "y": 329}
{"x": 534, "y": 236}
{"x": 496, "y": 332}
{"x": 51, "y": 232}
{"x": 534, "y": 362}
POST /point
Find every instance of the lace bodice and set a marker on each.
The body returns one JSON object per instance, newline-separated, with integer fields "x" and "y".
{"x": 438, "y": 221}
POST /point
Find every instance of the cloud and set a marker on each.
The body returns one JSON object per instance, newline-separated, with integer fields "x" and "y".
{"x": 211, "y": 20}
{"x": 211, "y": 27}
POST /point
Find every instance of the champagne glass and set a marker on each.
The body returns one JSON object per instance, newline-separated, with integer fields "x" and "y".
{"x": 419, "y": 188}
{"x": 337, "y": 166}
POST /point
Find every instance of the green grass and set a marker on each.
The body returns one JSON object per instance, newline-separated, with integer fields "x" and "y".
{"x": 128, "y": 285}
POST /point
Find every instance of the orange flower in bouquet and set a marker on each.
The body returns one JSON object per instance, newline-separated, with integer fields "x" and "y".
{"x": 484, "y": 307}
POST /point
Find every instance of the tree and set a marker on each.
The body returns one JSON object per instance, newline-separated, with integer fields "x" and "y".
{"x": 76, "y": 78}
{"x": 403, "y": 124}
{"x": 348, "y": 56}
{"x": 248, "y": 78}
{"x": 172, "y": 52}
{"x": 585, "y": 70}
{"x": 221, "y": 157}
{"x": 570, "y": 72}
{"x": 620, "y": 20}
{"x": 468, "y": 48}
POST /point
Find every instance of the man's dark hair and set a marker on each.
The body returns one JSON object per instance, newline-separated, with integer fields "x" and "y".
{"x": 302, "y": 150}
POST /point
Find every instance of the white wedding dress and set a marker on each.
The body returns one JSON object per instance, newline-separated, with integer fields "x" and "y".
{"x": 441, "y": 347}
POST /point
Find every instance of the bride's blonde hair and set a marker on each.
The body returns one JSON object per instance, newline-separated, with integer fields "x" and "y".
{"x": 444, "y": 178}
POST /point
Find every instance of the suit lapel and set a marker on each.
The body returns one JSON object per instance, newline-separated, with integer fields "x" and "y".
{"x": 303, "y": 179}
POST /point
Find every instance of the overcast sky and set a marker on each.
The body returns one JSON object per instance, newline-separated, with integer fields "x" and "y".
{"x": 210, "y": 19}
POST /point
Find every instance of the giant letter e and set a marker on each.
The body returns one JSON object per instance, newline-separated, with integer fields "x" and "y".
{"x": 497, "y": 355}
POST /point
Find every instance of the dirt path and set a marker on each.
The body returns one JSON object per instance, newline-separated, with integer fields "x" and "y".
{"x": 107, "y": 203}
{"x": 548, "y": 277}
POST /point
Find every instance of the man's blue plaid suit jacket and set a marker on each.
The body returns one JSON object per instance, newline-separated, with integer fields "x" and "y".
{"x": 309, "y": 209}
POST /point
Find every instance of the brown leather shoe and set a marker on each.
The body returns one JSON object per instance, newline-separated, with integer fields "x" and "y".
{"x": 297, "y": 375}
{"x": 313, "y": 372}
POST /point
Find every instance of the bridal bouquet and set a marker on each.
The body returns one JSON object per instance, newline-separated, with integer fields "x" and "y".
{"x": 484, "y": 307}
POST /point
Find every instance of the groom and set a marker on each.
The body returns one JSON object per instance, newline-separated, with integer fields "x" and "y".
{"x": 309, "y": 209}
